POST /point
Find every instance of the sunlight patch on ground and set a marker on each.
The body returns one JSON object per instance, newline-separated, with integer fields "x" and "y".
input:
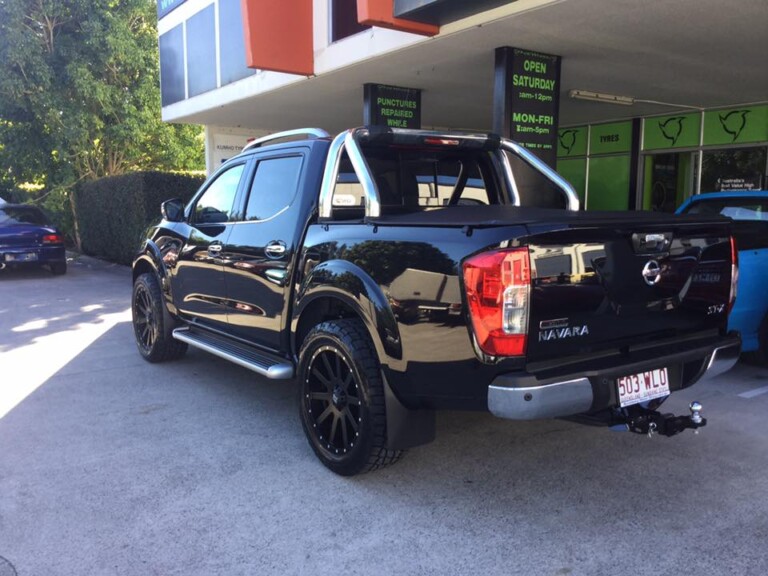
{"x": 36, "y": 363}
{"x": 33, "y": 325}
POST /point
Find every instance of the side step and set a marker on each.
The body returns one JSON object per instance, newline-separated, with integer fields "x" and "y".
{"x": 263, "y": 363}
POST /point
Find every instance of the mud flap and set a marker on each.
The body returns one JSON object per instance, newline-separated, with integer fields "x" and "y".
{"x": 406, "y": 428}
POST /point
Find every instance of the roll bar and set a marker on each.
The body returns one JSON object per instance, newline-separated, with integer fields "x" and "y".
{"x": 571, "y": 198}
{"x": 350, "y": 141}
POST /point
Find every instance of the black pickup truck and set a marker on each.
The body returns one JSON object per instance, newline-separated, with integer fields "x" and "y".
{"x": 396, "y": 272}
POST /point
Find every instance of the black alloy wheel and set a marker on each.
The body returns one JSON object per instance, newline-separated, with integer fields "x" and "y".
{"x": 342, "y": 398}
{"x": 153, "y": 337}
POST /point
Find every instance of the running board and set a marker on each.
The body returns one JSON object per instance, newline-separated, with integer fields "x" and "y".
{"x": 263, "y": 363}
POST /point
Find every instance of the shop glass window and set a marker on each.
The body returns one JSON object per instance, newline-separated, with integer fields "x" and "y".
{"x": 734, "y": 169}
{"x": 344, "y": 19}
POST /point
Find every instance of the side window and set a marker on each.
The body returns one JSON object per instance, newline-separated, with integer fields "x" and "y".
{"x": 274, "y": 187}
{"x": 215, "y": 205}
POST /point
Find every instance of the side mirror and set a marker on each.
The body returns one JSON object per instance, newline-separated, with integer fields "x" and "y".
{"x": 172, "y": 210}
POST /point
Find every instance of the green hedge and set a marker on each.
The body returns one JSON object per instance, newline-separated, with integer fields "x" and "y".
{"x": 113, "y": 213}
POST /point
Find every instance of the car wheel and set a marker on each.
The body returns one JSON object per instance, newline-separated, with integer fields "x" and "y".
{"x": 153, "y": 337}
{"x": 342, "y": 398}
{"x": 58, "y": 268}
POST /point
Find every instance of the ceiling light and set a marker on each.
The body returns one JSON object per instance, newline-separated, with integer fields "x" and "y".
{"x": 599, "y": 97}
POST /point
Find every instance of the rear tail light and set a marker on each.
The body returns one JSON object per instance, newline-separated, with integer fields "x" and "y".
{"x": 734, "y": 274}
{"x": 53, "y": 239}
{"x": 498, "y": 287}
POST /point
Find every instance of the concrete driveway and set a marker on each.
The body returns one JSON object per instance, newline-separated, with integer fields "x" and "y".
{"x": 112, "y": 466}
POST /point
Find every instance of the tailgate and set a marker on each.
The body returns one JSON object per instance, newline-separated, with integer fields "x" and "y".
{"x": 600, "y": 289}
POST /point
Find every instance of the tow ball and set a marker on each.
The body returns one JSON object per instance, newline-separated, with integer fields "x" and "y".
{"x": 650, "y": 422}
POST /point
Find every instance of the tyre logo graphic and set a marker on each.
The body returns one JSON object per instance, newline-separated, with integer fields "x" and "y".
{"x": 734, "y": 122}
{"x": 568, "y": 139}
{"x": 651, "y": 272}
{"x": 672, "y": 128}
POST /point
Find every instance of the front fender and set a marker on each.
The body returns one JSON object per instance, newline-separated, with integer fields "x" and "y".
{"x": 347, "y": 282}
{"x": 150, "y": 255}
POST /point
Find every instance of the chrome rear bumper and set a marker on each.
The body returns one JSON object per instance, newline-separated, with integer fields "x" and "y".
{"x": 512, "y": 395}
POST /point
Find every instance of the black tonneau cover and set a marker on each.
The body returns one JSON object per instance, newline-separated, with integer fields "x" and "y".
{"x": 503, "y": 215}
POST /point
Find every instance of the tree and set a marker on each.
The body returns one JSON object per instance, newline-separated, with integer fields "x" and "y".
{"x": 80, "y": 97}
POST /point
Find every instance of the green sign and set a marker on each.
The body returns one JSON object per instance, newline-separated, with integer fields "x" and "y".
{"x": 610, "y": 138}
{"x": 575, "y": 171}
{"x": 526, "y": 99}
{"x": 736, "y": 125}
{"x": 673, "y": 131}
{"x": 535, "y": 102}
{"x": 609, "y": 181}
{"x": 392, "y": 106}
{"x": 572, "y": 142}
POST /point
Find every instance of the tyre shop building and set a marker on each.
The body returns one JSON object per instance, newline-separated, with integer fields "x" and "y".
{"x": 646, "y": 103}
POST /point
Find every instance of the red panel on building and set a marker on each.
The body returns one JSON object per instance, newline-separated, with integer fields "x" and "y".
{"x": 380, "y": 13}
{"x": 279, "y": 35}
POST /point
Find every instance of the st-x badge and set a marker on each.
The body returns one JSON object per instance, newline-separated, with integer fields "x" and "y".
{"x": 651, "y": 272}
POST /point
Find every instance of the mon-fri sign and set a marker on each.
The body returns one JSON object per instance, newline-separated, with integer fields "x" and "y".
{"x": 392, "y": 106}
{"x": 527, "y": 99}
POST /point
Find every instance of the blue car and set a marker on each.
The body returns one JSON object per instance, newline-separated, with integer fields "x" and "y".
{"x": 750, "y": 211}
{"x": 27, "y": 238}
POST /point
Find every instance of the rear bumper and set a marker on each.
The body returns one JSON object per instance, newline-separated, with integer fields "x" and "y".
{"x": 15, "y": 255}
{"x": 523, "y": 396}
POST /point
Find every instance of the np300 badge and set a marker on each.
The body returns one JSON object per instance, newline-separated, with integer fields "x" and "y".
{"x": 651, "y": 272}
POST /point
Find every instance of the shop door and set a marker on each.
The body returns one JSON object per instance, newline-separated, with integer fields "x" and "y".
{"x": 668, "y": 181}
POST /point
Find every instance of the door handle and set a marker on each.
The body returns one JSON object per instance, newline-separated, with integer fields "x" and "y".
{"x": 275, "y": 250}
{"x": 277, "y": 276}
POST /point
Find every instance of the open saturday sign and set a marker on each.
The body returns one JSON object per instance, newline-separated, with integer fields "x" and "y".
{"x": 534, "y": 101}
{"x": 526, "y": 99}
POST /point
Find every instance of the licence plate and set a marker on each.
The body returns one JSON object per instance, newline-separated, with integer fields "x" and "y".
{"x": 643, "y": 386}
{"x": 22, "y": 257}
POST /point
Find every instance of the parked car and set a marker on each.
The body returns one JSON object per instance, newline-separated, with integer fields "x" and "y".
{"x": 288, "y": 261}
{"x": 749, "y": 209}
{"x": 28, "y": 238}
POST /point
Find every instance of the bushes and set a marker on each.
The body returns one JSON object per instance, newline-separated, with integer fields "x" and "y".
{"x": 113, "y": 213}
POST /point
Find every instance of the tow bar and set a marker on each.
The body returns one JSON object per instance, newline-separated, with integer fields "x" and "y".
{"x": 650, "y": 422}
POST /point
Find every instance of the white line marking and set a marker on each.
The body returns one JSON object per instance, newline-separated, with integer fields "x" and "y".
{"x": 755, "y": 392}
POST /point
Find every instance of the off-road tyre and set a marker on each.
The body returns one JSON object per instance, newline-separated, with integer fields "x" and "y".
{"x": 341, "y": 398}
{"x": 150, "y": 328}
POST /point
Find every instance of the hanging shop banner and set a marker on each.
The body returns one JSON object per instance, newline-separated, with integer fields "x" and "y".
{"x": 736, "y": 125}
{"x": 673, "y": 131}
{"x": 572, "y": 142}
{"x": 165, "y": 6}
{"x": 612, "y": 138}
{"x": 392, "y": 106}
{"x": 527, "y": 99}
